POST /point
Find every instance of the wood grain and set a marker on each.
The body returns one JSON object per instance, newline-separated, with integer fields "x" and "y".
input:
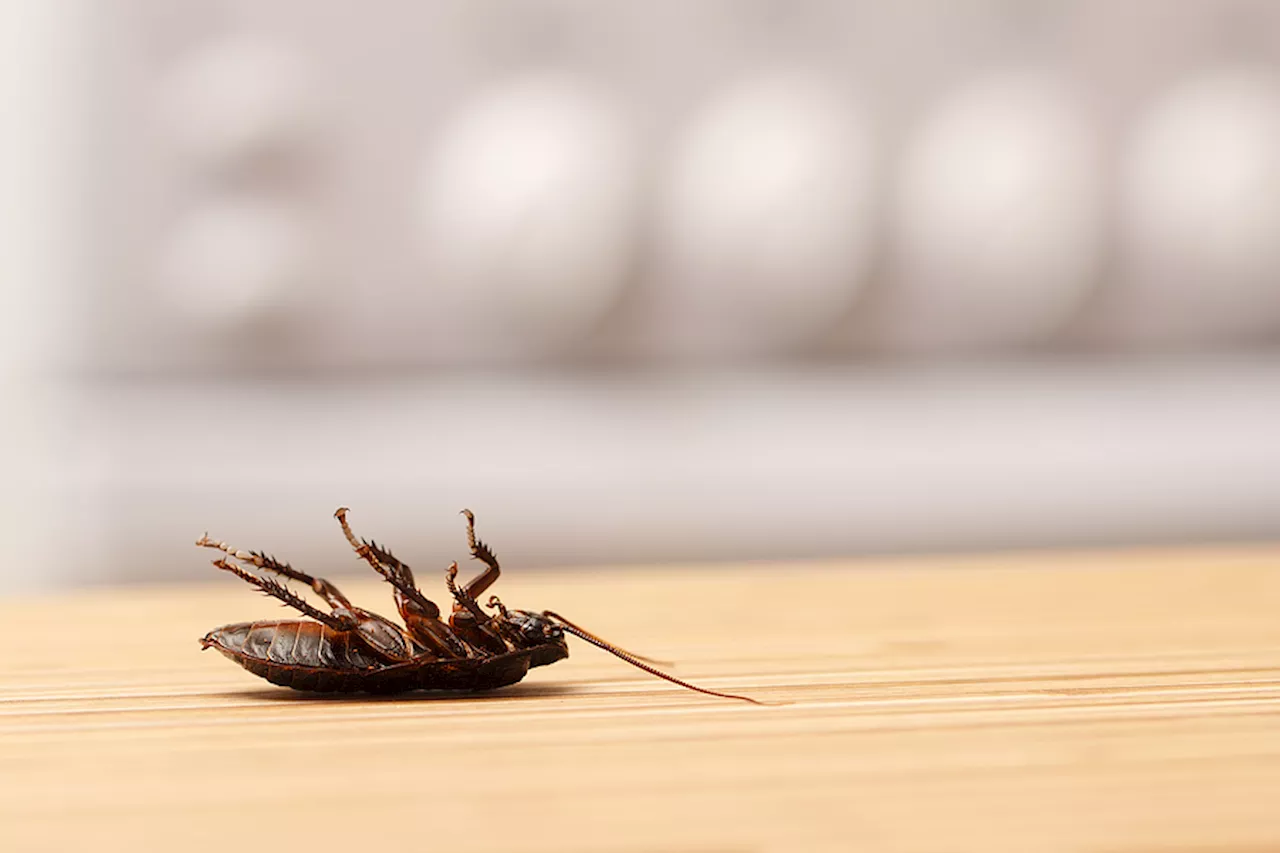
{"x": 1108, "y": 702}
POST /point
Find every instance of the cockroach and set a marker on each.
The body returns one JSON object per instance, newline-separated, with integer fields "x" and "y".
{"x": 350, "y": 649}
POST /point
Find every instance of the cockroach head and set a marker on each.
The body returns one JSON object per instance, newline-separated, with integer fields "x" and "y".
{"x": 534, "y": 629}
{"x": 536, "y": 632}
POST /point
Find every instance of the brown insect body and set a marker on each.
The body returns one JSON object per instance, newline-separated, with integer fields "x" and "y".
{"x": 349, "y": 649}
{"x": 310, "y": 656}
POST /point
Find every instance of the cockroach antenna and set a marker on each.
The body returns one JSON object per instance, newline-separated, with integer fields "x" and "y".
{"x": 583, "y": 634}
{"x": 602, "y": 643}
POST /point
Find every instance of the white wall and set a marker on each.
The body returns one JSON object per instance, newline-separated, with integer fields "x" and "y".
{"x": 634, "y": 281}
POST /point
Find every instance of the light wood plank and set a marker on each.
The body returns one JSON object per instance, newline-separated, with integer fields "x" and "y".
{"x": 1117, "y": 702}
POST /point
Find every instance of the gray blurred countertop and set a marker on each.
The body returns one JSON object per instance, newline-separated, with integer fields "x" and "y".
{"x": 601, "y": 468}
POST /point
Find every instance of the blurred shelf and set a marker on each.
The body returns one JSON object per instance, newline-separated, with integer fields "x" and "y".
{"x": 616, "y": 468}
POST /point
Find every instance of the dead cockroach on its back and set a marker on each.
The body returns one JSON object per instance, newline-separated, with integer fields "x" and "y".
{"x": 350, "y": 649}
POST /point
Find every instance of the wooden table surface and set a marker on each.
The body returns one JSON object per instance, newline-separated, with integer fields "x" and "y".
{"x": 1108, "y": 702}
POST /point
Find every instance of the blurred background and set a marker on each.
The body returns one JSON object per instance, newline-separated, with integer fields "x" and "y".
{"x": 671, "y": 281}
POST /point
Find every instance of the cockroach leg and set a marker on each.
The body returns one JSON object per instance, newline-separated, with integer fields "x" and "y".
{"x": 468, "y": 620}
{"x": 421, "y": 615}
{"x": 363, "y": 550}
{"x": 341, "y": 619}
{"x": 381, "y": 635}
{"x": 483, "y": 553}
{"x": 322, "y": 587}
{"x": 463, "y": 601}
{"x": 384, "y": 563}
